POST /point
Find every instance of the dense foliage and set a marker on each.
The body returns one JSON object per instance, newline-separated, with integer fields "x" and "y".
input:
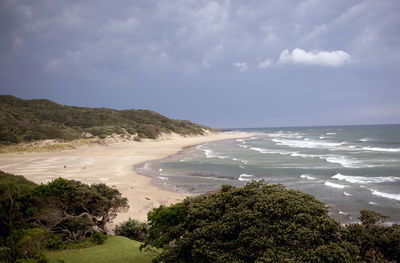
{"x": 27, "y": 120}
{"x": 132, "y": 229}
{"x": 53, "y": 214}
{"x": 265, "y": 223}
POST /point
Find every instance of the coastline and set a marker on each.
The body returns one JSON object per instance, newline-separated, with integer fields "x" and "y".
{"x": 113, "y": 165}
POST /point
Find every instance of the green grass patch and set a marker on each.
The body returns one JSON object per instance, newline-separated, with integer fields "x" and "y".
{"x": 115, "y": 249}
{"x": 48, "y": 148}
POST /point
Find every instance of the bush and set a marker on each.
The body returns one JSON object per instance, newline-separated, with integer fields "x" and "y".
{"x": 132, "y": 229}
{"x": 255, "y": 223}
{"x": 54, "y": 242}
{"x": 98, "y": 238}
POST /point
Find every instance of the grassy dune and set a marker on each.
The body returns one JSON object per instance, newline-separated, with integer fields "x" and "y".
{"x": 115, "y": 249}
{"x": 30, "y": 120}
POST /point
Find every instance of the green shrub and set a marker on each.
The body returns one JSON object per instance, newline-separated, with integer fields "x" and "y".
{"x": 132, "y": 229}
{"x": 98, "y": 238}
{"x": 5, "y": 255}
{"x": 53, "y": 242}
{"x": 255, "y": 223}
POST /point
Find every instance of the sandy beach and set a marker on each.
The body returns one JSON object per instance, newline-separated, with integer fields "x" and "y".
{"x": 113, "y": 165}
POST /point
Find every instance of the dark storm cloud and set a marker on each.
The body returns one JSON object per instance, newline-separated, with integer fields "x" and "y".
{"x": 223, "y": 63}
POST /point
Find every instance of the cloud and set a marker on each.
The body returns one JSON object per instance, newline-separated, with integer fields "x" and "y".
{"x": 265, "y": 64}
{"x": 241, "y": 66}
{"x": 321, "y": 58}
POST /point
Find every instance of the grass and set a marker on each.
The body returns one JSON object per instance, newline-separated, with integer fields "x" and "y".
{"x": 49, "y": 148}
{"x": 115, "y": 249}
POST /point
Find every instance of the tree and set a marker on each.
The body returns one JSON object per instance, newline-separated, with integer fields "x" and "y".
{"x": 73, "y": 209}
{"x": 12, "y": 188}
{"x": 255, "y": 223}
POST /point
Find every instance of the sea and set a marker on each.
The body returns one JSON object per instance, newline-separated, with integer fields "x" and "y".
{"x": 348, "y": 167}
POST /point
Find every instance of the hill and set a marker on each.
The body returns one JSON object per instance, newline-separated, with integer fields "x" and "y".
{"x": 28, "y": 120}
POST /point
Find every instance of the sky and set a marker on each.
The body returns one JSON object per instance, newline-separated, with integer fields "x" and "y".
{"x": 269, "y": 63}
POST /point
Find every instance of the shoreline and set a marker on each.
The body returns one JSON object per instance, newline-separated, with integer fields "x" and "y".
{"x": 113, "y": 165}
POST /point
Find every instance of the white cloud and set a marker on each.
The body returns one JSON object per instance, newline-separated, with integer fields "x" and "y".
{"x": 241, "y": 66}
{"x": 322, "y": 58}
{"x": 265, "y": 64}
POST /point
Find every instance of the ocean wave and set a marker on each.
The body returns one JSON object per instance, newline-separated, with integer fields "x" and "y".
{"x": 365, "y": 180}
{"x": 345, "y": 162}
{"x": 243, "y": 146}
{"x": 162, "y": 178}
{"x": 305, "y": 176}
{"x": 365, "y": 140}
{"x": 210, "y": 153}
{"x": 339, "y": 186}
{"x": 307, "y": 143}
{"x": 331, "y": 133}
{"x": 380, "y": 149}
{"x": 290, "y": 135}
{"x": 343, "y": 213}
{"x": 245, "y": 177}
{"x": 372, "y": 203}
{"x": 305, "y": 155}
{"x": 347, "y": 194}
{"x": 386, "y": 195}
{"x": 261, "y": 150}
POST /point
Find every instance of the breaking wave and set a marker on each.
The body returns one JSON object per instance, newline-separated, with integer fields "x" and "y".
{"x": 386, "y": 195}
{"x": 339, "y": 186}
{"x": 364, "y": 179}
{"x": 245, "y": 177}
{"x": 305, "y": 176}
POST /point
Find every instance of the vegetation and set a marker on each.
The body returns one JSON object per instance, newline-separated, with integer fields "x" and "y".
{"x": 254, "y": 223}
{"x": 60, "y": 214}
{"x": 115, "y": 249}
{"x": 132, "y": 229}
{"x": 28, "y": 120}
{"x": 266, "y": 223}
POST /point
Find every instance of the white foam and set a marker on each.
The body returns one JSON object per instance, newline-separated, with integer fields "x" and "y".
{"x": 364, "y": 179}
{"x": 372, "y": 203}
{"x": 380, "y": 149}
{"x": 210, "y": 154}
{"x": 243, "y": 146}
{"x": 239, "y": 140}
{"x": 305, "y": 176}
{"x": 347, "y": 194}
{"x": 386, "y": 195}
{"x": 307, "y": 143}
{"x": 343, "y": 213}
{"x": 364, "y": 140}
{"x": 340, "y": 186}
{"x": 343, "y": 161}
{"x": 295, "y": 154}
{"x": 331, "y": 133}
{"x": 163, "y": 178}
{"x": 160, "y": 170}
{"x": 245, "y": 177}
{"x": 261, "y": 150}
